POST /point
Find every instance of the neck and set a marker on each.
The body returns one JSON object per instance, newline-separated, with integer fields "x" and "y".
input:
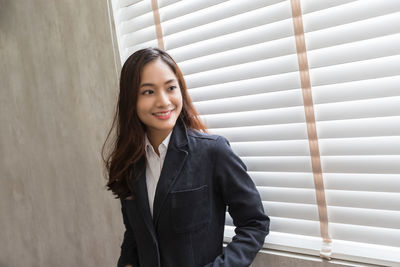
{"x": 156, "y": 138}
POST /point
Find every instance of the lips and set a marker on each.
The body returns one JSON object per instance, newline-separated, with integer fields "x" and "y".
{"x": 163, "y": 114}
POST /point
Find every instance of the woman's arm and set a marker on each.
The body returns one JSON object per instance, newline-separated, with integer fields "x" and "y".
{"x": 128, "y": 257}
{"x": 244, "y": 205}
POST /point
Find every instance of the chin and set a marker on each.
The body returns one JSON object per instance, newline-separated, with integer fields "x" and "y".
{"x": 165, "y": 127}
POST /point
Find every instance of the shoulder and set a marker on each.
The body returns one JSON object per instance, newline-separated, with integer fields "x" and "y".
{"x": 212, "y": 142}
{"x": 195, "y": 134}
{"x": 216, "y": 147}
{"x": 206, "y": 138}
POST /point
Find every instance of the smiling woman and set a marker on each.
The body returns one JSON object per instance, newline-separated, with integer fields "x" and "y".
{"x": 138, "y": 81}
{"x": 174, "y": 180}
{"x": 159, "y": 101}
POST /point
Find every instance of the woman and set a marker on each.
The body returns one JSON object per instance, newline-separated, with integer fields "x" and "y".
{"x": 173, "y": 179}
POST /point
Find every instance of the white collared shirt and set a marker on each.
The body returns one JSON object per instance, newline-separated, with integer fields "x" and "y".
{"x": 154, "y": 165}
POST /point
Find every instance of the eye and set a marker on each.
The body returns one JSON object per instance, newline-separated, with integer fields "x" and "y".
{"x": 171, "y": 88}
{"x": 147, "y": 92}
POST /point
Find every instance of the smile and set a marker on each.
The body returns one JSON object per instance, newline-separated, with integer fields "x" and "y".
{"x": 163, "y": 115}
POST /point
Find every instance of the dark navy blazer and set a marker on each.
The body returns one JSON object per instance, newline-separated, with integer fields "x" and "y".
{"x": 201, "y": 176}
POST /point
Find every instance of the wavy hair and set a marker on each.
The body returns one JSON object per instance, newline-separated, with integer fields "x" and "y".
{"x": 125, "y": 159}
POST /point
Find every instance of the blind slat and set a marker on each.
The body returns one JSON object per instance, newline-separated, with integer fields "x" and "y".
{"x": 368, "y": 69}
{"x": 288, "y": 163}
{"x": 361, "y": 199}
{"x": 383, "y": 107}
{"x": 365, "y": 217}
{"x": 272, "y": 148}
{"x": 388, "y": 145}
{"x": 253, "y": 118}
{"x": 291, "y": 131}
{"x": 366, "y": 234}
{"x": 361, "y": 164}
{"x": 288, "y": 225}
{"x": 283, "y": 179}
{"x": 291, "y": 210}
{"x": 364, "y": 89}
{"x": 290, "y": 195}
{"x": 273, "y": 100}
{"x": 369, "y": 127}
{"x": 275, "y": 83}
{"x": 362, "y": 182}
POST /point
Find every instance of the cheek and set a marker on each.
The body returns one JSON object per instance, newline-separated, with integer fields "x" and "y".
{"x": 178, "y": 104}
{"x": 178, "y": 100}
{"x": 142, "y": 107}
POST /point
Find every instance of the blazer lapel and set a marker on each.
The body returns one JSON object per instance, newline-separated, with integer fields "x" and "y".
{"x": 142, "y": 200}
{"x": 173, "y": 163}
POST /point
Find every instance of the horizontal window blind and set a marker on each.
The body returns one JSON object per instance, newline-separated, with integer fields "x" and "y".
{"x": 354, "y": 52}
{"x": 241, "y": 66}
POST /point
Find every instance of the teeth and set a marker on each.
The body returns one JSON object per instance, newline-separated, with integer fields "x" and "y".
{"x": 163, "y": 113}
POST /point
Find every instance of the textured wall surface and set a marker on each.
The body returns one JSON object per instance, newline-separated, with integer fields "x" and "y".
{"x": 58, "y": 85}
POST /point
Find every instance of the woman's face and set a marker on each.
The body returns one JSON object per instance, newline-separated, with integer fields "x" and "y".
{"x": 159, "y": 100}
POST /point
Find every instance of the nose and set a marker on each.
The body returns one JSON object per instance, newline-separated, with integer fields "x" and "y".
{"x": 163, "y": 99}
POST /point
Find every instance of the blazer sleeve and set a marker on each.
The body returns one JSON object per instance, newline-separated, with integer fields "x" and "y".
{"x": 129, "y": 255}
{"x": 244, "y": 205}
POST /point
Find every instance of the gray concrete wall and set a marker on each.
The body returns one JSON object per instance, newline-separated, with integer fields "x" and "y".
{"x": 58, "y": 85}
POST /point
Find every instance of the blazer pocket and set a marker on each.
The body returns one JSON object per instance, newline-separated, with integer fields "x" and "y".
{"x": 190, "y": 209}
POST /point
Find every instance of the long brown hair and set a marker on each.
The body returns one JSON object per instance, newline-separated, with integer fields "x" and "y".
{"x": 126, "y": 153}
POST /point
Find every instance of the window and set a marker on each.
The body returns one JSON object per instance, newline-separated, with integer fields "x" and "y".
{"x": 241, "y": 66}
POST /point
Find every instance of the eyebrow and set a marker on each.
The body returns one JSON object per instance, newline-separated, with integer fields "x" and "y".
{"x": 152, "y": 85}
